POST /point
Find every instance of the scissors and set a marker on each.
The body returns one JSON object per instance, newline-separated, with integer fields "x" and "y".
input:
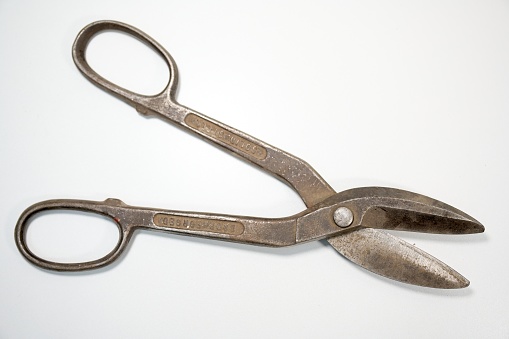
{"x": 352, "y": 221}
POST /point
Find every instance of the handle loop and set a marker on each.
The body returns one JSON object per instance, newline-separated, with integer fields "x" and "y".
{"x": 139, "y": 101}
{"x": 78, "y": 205}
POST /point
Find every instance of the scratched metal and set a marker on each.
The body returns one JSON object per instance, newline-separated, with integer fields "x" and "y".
{"x": 396, "y": 259}
{"x": 376, "y": 251}
{"x": 372, "y": 207}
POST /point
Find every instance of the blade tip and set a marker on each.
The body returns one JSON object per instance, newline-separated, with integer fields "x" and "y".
{"x": 481, "y": 228}
{"x": 477, "y": 227}
{"x": 462, "y": 284}
{"x": 458, "y": 282}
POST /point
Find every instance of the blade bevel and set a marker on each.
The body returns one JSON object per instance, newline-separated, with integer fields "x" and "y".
{"x": 424, "y": 219}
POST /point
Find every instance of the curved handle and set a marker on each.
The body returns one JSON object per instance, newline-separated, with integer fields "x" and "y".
{"x": 257, "y": 231}
{"x": 297, "y": 173}
{"x": 79, "y": 205}
{"x": 139, "y": 101}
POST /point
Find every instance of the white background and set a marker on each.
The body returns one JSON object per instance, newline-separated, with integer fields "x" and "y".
{"x": 412, "y": 95}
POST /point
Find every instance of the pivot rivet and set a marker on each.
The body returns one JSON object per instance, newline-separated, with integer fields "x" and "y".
{"x": 343, "y": 217}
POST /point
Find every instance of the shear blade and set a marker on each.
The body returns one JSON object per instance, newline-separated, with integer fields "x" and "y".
{"x": 391, "y": 257}
{"x": 393, "y": 209}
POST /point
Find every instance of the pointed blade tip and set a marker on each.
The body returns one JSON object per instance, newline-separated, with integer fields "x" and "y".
{"x": 466, "y": 283}
{"x": 480, "y": 228}
{"x": 473, "y": 226}
{"x": 458, "y": 282}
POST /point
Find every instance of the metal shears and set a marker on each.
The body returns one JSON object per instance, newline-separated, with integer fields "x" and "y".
{"x": 352, "y": 221}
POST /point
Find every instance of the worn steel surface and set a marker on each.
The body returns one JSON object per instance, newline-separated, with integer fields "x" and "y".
{"x": 348, "y": 220}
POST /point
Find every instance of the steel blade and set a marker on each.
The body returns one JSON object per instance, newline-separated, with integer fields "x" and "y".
{"x": 420, "y": 218}
{"x": 394, "y": 209}
{"x": 391, "y": 257}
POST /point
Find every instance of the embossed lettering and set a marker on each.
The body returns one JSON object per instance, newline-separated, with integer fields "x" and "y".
{"x": 199, "y": 224}
{"x": 219, "y": 133}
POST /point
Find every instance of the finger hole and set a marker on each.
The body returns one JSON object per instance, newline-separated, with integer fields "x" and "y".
{"x": 128, "y": 62}
{"x": 66, "y": 236}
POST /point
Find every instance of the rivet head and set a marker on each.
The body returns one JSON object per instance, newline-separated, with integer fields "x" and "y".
{"x": 343, "y": 217}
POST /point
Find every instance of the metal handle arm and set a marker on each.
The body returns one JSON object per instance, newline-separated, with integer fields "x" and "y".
{"x": 297, "y": 173}
{"x": 258, "y": 231}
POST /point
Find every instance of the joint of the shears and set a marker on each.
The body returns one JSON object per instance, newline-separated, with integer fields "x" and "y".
{"x": 328, "y": 218}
